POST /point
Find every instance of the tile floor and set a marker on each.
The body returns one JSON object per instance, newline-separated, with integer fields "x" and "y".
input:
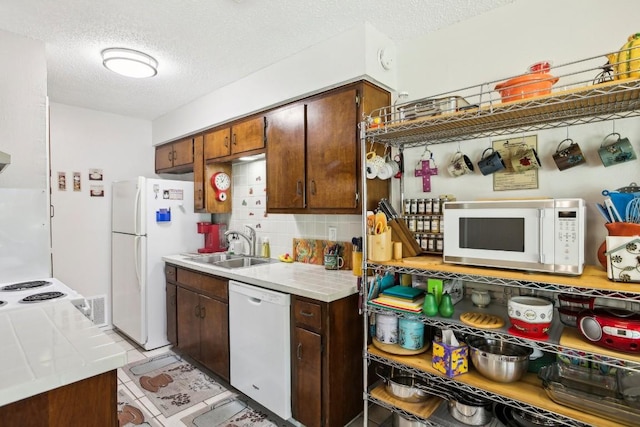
{"x": 377, "y": 415}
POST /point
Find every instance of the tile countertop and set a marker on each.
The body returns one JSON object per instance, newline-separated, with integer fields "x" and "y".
{"x": 51, "y": 345}
{"x": 306, "y": 280}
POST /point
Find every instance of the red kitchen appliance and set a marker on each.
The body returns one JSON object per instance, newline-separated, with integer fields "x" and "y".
{"x": 214, "y": 239}
{"x": 611, "y": 328}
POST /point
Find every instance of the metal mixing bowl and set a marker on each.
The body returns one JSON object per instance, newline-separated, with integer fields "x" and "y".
{"x": 498, "y": 360}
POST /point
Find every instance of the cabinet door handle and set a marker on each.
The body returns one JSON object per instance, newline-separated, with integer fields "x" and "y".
{"x": 234, "y": 139}
{"x": 299, "y": 351}
{"x": 170, "y": 155}
{"x": 203, "y": 312}
{"x": 226, "y": 142}
{"x": 306, "y": 314}
{"x": 299, "y": 188}
{"x": 197, "y": 311}
{"x": 313, "y": 187}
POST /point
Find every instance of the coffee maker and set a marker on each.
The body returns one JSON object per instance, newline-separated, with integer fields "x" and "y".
{"x": 214, "y": 238}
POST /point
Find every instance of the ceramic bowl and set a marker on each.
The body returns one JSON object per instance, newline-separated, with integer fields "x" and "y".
{"x": 530, "y": 315}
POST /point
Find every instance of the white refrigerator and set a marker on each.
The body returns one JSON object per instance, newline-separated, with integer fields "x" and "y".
{"x": 151, "y": 218}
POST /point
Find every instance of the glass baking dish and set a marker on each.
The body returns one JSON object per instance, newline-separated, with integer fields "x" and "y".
{"x": 581, "y": 379}
{"x": 603, "y": 407}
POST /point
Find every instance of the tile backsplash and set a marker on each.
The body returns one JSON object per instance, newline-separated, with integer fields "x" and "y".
{"x": 250, "y": 208}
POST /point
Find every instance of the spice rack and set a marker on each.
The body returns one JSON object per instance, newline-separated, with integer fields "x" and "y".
{"x": 584, "y": 95}
{"x": 425, "y": 220}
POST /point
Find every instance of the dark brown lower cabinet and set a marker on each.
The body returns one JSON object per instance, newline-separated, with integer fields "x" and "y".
{"x": 202, "y": 318}
{"x": 326, "y": 354}
{"x": 172, "y": 320}
{"x": 90, "y": 402}
{"x": 308, "y": 376}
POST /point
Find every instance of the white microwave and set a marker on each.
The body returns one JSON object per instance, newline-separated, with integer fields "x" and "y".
{"x": 546, "y": 235}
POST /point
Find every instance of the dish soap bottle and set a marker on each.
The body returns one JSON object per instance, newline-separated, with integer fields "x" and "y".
{"x": 266, "y": 250}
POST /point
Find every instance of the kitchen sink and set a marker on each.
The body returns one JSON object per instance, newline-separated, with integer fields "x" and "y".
{"x": 230, "y": 260}
{"x": 213, "y": 258}
{"x": 246, "y": 261}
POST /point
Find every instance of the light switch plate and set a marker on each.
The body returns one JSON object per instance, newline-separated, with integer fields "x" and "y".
{"x": 333, "y": 234}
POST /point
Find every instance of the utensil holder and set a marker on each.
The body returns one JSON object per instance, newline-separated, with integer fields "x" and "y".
{"x": 380, "y": 246}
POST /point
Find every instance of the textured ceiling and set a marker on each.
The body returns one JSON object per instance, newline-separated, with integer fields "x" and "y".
{"x": 201, "y": 45}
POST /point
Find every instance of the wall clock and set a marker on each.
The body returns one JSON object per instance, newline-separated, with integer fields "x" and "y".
{"x": 220, "y": 181}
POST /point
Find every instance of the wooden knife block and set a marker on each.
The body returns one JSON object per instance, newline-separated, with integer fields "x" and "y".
{"x": 401, "y": 233}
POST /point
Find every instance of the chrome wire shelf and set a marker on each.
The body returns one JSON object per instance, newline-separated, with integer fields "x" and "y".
{"x": 403, "y": 413}
{"x": 585, "y": 93}
{"x": 459, "y": 386}
{"x": 551, "y": 345}
{"x": 519, "y": 283}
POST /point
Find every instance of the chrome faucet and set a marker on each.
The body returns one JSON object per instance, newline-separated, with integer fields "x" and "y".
{"x": 251, "y": 238}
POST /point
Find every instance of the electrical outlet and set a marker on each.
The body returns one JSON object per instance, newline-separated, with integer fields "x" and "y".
{"x": 333, "y": 234}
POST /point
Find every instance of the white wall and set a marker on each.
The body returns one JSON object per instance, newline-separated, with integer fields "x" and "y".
{"x": 249, "y": 208}
{"x": 81, "y": 228}
{"x": 24, "y": 203}
{"x": 502, "y": 43}
{"x": 344, "y": 58}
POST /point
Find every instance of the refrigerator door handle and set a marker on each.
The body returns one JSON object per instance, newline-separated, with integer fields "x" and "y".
{"x": 136, "y": 259}
{"x": 136, "y": 211}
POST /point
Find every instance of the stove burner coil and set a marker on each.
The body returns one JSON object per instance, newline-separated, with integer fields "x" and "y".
{"x": 23, "y": 286}
{"x": 43, "y": 296}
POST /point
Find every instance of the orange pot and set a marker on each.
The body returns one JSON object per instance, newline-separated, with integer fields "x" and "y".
{"x": 526, "y": 86}
{"x": 617, "y": 229}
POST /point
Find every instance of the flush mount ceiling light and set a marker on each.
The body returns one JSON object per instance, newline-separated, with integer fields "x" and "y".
{"x": 129, "y": 62}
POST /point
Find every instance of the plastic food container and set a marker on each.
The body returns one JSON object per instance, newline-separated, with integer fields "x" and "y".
{"x": 569, "y": 316}
{"x": 576, "y": 301}
{"x": 526, "y": 86}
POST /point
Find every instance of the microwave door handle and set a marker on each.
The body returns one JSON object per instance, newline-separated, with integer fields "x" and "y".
{"x": 542, "y": 247}
{"x": 541, "y": 244}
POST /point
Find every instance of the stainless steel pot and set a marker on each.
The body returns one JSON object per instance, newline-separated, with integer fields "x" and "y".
{"x": 471, "y": 410}
{"x": 405, "y": 386}
{"x": 398, "y": 421}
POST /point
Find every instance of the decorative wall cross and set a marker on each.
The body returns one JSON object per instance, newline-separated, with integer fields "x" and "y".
{"x": 425, "y": 172}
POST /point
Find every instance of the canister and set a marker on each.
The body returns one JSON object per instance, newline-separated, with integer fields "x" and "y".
{"x": 411, "y": 334}
{"x": 423, "y": 241}
{"x": 407, "y": 206}
{"x": 413, "y": 209}
{"x": 387, "y": 328}
{"x": 421, "y": 206}
{"x": 428, "y": 206}
{"x": 435, "y": 224}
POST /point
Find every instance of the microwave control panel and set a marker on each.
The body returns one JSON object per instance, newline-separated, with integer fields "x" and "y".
{"x": 568, "y": 224}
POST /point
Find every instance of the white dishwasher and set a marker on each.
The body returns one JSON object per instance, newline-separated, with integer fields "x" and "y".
{"x": 259, "y": 342}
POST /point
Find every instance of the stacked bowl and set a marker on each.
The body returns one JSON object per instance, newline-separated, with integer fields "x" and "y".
{"x": 530, "y": 316}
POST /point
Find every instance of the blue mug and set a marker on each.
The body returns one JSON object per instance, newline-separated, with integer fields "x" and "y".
{"x": 491, "y": 163}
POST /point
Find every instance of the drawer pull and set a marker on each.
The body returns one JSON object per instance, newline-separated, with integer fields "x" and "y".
{"x": 306, "y": 314}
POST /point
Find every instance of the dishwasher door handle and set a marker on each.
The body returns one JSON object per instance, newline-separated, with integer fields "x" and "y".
{"x": 254, "y": 300}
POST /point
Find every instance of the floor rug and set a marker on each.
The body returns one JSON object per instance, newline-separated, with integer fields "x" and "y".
{"x": 230, "y": 412}
{"x": 171, "y": 383}
{"x": 131, "y": 412}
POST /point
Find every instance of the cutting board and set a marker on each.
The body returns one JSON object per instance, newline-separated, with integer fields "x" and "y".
{"x": 311, "y": 251}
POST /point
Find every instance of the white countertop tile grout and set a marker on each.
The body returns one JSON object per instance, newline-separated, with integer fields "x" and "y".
{"x": 306, "y": 280}
{"x": 49, "y": 346}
